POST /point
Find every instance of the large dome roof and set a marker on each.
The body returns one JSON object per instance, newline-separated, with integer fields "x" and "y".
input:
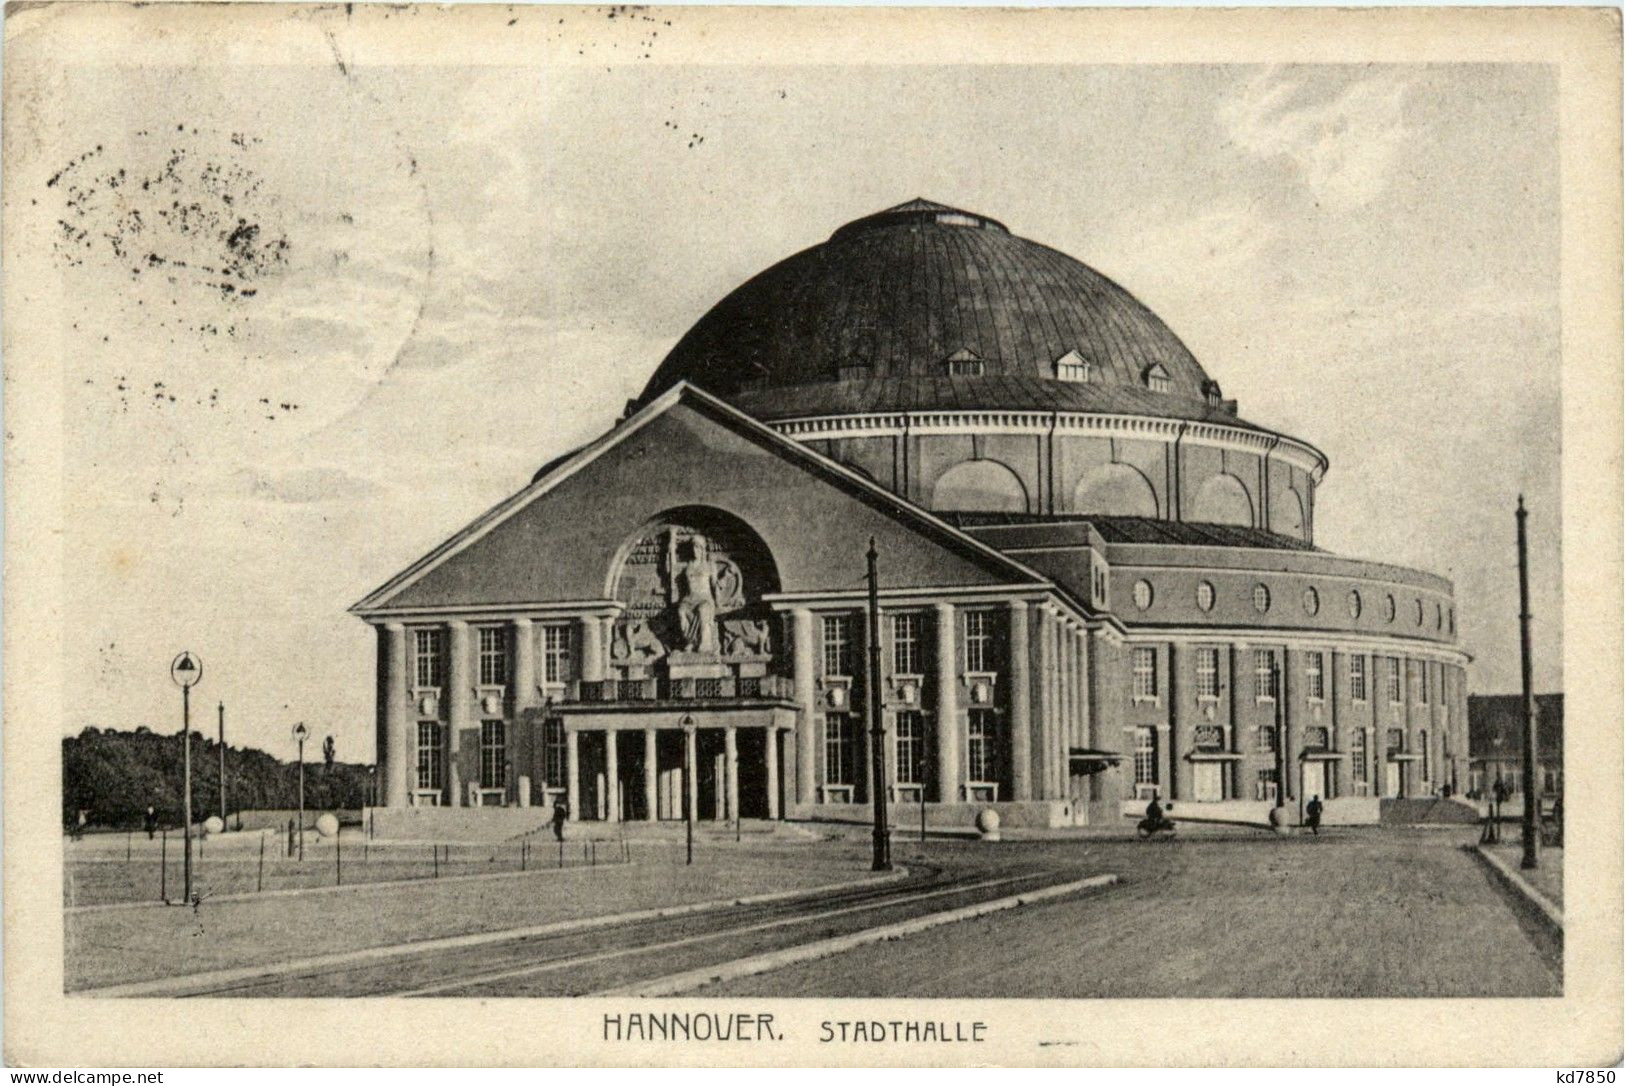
{"x": 924, "y": 306}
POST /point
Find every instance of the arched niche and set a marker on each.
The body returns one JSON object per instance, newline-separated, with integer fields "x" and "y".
{"x": 1116, "y": 490}
{"x": 1223, "y": 499}
{"x": 691, "y": 582}
{"x": 1287, "y": 516}
{"x": 980, "y": 486}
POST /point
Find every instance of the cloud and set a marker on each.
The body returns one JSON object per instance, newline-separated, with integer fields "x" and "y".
{"x": 305, "y": 485}
{"x": 1343, "y": 149}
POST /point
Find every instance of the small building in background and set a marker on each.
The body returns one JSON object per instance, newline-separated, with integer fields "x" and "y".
{"x": 1495, "y": 741}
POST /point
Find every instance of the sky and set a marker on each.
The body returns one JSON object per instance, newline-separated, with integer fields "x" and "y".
{"x": 319, "y": 318}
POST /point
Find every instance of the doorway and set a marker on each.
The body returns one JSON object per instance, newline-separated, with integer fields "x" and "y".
{"x": 1207, "y": 782}
{"x": 1390, "y": 779}
{"x": 1314, "y": 780}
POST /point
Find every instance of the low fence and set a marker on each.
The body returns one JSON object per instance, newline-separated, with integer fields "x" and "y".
{"x": 272, "y": 860}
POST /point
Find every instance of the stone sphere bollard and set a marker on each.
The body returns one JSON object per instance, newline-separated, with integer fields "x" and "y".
{"x": 327, "y": 825}
{"x": 987, "y": 824}
{"x": 1279, "y": 821}
{"x": 212, "y": 825}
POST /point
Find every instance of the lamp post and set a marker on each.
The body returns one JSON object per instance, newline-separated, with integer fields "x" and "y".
{"x": 1531, "y": 799}
{"x": 299, "y": 733}
{"x": 186, "y": 670}
{"x": 222, "y": 767}
{"x": 688, "y": 807}
{"x": 877, "y": 728}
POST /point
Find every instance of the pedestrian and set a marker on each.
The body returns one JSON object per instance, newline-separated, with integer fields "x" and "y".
{"x": 560, "y": 813}
{"x": 150, "y": 822}
{"x": 1313, "y": 811}
{"x": 79, "y": 824}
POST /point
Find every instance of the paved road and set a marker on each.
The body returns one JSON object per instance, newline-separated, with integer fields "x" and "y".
{"x": 584, "y": 962}
{"x": 1354, "y": 913}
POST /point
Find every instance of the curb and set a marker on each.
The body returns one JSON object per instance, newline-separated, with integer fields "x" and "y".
{"x": 164, "y": 985}
{"x": 1537, "y": 901}
{"x": 678, "y": 983}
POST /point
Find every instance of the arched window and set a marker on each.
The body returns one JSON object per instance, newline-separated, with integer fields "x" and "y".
{"x": 1286, "y": 518}
{"x": 1115, "y": 490}
{"x": 981, "y": 485}
{"x": 1223, "y": 500}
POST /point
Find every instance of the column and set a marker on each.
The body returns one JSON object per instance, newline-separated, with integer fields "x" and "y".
{"x": 1046, "y": 702}
{"x": 392, "y": 691}
{"x": 521, "y": 739}
{"x": 572, "y": 772}
{"x": 771, "y": 745}
{"x": 1289, "y": 768}
{"x": 730, "y": 750}
{"x": 458, "y": 691}
{"x": 592, "y": 648}
{"x": 949, "y": 740}
{"x": 1094, "y": 728}
{"x": 806, "y": 711}
{"x": 691, "y": 771}
{"x": 651, "y": 774}
{"x": 1178, "y": 785}
{"x": 1021, "y": 750}
{"x": 612, "y": 777}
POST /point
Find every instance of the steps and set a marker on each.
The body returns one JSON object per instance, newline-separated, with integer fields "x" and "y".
{"x": 1428, "y": 811}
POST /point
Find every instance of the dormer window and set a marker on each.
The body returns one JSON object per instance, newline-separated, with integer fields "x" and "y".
{"x": 1072, "y": 366}
{"x": 966, "y": 363}
{"x": 1210, "y": 392}
{"x": 1156, "y": 377}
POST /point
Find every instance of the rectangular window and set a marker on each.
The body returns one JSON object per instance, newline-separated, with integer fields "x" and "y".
{"x": 1265, "y": 788}
{"x": 1357, "y": 758}
{"x": 427, "y": 669}
{"x": 493, "y": 656}
{"x": 838, "y": 645}
{"x": 910, "y": 747}
{"x": 1145, "y": 756}
{"x": 838, "y": 753}
{"x": 1264, "y": 674}
{"x": 1357, "y": 678}
{"x": 982, "y": 736}
{"x": 1422, "y": 688}
{"x": 1395, "y": 693}
{"x": 1266, "y": 738}
{"x": 1145, "y": 674}
{"x": 1427, "y": 756}
{"x": 1314, "y": 678}
{"x": 905, "y": 644}
{"x": 1207, "y": 673}
{"x": 493, "y": 754}
{"x": 429, "y": 757}
{"x": 555, "y": 753}
{"x": 555, "y": 653}
{"x": 979, "y": 642}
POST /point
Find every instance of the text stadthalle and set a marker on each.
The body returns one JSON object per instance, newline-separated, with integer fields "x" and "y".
{"x": 901, "y": 1031}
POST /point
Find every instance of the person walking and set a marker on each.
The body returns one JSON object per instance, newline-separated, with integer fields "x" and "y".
{"x": 149, "y": 822}
{"x": 560, "y": 813}
{"x": 1313, "y": 812}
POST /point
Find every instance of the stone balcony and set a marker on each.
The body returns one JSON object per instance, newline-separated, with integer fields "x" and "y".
{"x": 727, "y": 688}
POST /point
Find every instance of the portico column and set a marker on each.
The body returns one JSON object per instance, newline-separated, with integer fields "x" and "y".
{"x": 730, "y": 748}
{"x": 1046, "y": 701}
{"x": 691, "y": 771}
{"x": 572, "y": 773}
{"x": 947, "y": 682}
{"x": 592, "y": 648}
{"x": 806, "y": 711}
{"x": 1021, "y": 751}
{"x": 458, "y": 692}
{"x": 771, "y": 746}
{"x": 392, "y": 689}
{"x": 651, "y": 767}
{"x": 520, "y": 738}
{"x": 612, "y": 777}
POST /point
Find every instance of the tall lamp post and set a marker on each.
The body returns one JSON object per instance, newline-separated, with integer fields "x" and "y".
{"x": 186, "y": 670}
{"x": 1531, "y": 800}
{"x": 299, "y": 733}
{"x": 688, "y": 806}
{"x": 222, "y": 767}
{"x": 877, "y": 728}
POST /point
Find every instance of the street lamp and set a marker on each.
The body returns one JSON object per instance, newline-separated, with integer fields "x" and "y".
{"x": 688, "y": 805}
{"x": 186, "y": 670}
{"x": 299, "y": 733}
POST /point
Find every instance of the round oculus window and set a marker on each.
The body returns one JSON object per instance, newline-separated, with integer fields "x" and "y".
{"x": 1388, "y": 609}
{"x": 1354, "y": 605}
{"x": 1204, "y": 596}
{"x": 1311, "y": 602}
{"x": 1419, "y": 612}
{"x": 1261, "y": 598}
{"x": 1438, "y": 616}
{"x": 1142, "y": 594}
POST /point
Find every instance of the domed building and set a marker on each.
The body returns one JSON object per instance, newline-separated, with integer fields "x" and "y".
{"x": 1097, "y": 581}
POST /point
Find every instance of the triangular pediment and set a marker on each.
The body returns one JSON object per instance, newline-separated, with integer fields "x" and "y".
{"x": 559, "y": 539}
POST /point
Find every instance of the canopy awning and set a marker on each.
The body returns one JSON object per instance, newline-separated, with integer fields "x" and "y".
{"x": 1321, "y": 755}
{"x": 1403, "y": 756}
{"x": 1087, "y": 761}
{"x": 1213, "y": 756}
